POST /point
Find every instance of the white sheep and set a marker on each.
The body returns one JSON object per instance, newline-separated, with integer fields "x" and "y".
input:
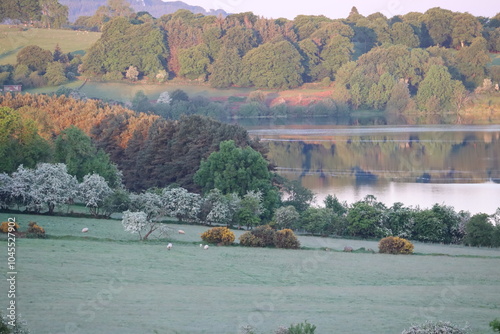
{"x": 85, "y": 229}
{"x": 206, "y": 247}
{"x": 182, "y": 232}
{"x": 201, "y": 245}
{"x": 169, "y": 246}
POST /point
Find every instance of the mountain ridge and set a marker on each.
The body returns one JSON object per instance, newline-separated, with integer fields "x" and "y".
{"x": 156, "y": 8}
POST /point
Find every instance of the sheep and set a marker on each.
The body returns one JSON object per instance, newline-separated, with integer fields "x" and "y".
{"x": 85, "y": 229}
{"x": 201, "y": 245}
{"x": 206, "y": 247}
{"x": 169, "y": 246}
{"x": 182, "y": 232}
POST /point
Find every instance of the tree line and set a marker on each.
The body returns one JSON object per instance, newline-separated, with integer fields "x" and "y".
{"x": 418, "y": 61}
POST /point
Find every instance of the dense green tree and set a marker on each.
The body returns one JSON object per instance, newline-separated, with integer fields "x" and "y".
{"x": 479, "y": 231}
{"x": 306, "y": 25}
{"x": 241, "y": 39}
{"x": 336, "y": 53}
{"x": 439, "y": 23}
{"x": 380, "y": 93}
{"x": 400, "y": 99}
{"x": 472, "y": 61}
{"x": 466, "y": 27}
{"x": 296, "y": 195}
{"x": 437, "y": 86}
{"x": 20, "y": 142}
{"x": 34, "y": 57}
{"x": 226, "y": 69}
{"x": 75, "y": 149}
{"x": 194, "y": 62}
{"x": 403, "y": 33}
{"x": 54, "y": 15}
{"x": 273, "y": 65}
{"x": 25, "y": 11}
{"x": 365, "y": 220}
{"x": 238, "y": 170}
{"x": 55, "y": 74}
{"x": 494, "y": 40}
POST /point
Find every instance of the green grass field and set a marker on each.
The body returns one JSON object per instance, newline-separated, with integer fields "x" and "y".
{"x": 13, "y": 39}
{"x": 105, "y": 281}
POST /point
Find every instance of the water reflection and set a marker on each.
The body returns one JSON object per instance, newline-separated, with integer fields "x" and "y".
{"x": 416, "y": 165}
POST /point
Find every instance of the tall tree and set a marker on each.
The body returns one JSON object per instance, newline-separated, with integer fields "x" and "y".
{"x": 274, "y": 65}
{"x": 439, "y": 23}
{"x": 436, "y": 90}
{"x": 54, "y": 15}
{"x": 226, "y": 69}
{"x": 466, "y": 27}
{"x": 25, "y": 11}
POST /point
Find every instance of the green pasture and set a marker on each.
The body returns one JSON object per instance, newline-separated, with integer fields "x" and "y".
{"x": 105, "y": 281}
{"x": 14, "y": 38}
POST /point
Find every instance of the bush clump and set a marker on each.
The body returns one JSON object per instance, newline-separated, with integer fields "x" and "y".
{"x": 4, "y": 228}
{"x": 218, "y": 235}
{"x": 495, "y": 325}
{"x": 302, "y": 328}
{"x": 247, "y": 239}
{"x": 395, "y": 245}
{"x": 35, "y": 231}
{"x": 440, "y": 327}
{"x": 286, "y": 239}
{"x": 261, "y": 236}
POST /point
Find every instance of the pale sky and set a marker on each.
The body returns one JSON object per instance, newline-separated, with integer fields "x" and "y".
{"x": 340, "y": 9}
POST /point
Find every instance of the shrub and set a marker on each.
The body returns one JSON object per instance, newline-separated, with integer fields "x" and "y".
{"x": 286, "y": 239}
{"x": 35, "y": 231}
{"x": 302, "y": 328}
{"x": 265, "y": 233}
{"x": 495, "y": 325}
{"x": 4, "y": 228}
{"x": 218, "y": 235}
{"x": 439, "y": 327}
{"x": 395, "y": 245}
{"x": 249, "y": 240}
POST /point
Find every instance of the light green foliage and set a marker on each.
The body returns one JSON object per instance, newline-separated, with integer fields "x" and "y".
{"x": 437, "y": 86}
{"x": 226, "y": 69}
{"x": 302, "y": 328}
{"x": 365, "y": 218}
{"x": 194, "y": 62}
{"x": 20, "y": 142}
{"x": 55, "y": 74}
{"x": 400, "y": 99}
{"x": 74, "y": 148}
{"x": 273, "y": 65}
{"x": 380, "y": 93}
{"x": 472, "y": 62}
{"x": 54, "y": 14}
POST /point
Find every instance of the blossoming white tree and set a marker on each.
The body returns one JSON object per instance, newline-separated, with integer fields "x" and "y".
{"x": 138, "y": 222}
{"x": 149, "y": 203}
{"x": 93, "y": 190}
{"x": 48, "y": 184}
{"x": 181, "y": 204}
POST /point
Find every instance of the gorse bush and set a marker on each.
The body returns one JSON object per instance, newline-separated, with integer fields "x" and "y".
{"x": 35, "y": 231}
{"x": 4, "y": 228}
{"x": 286, "y": 239}
{"x": 261, "y": 236}
{"x": 218, "y": 235}
{"x": 395, "y": 245}
{"x": 439, "y": 327}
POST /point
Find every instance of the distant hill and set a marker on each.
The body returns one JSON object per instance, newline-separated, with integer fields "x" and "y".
{"x": 156, "y": 8}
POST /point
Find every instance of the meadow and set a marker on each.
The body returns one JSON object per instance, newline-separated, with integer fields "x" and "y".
{"x": 106, "y": 281}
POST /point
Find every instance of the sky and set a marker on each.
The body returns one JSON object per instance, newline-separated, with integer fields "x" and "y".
{"x": 340, "y": 9}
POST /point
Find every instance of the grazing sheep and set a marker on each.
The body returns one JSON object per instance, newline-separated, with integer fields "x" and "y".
{"x": 201, "y": 245}
{"x": 182, "y": 232}
{"x": 85, "y": 229}
{"x": 348, "y": 249}
{"x": 169, "y": 246}
{"x": 206, "y": 247}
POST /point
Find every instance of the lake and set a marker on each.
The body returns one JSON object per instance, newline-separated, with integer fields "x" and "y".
{"x": 416, "y": 165}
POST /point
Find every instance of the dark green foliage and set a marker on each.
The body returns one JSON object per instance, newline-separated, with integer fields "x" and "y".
{"x": 479, "y": 231}
{"x": 296, "y": 194}
{"x": 273, "y": 65}
{"x": 365, "y": 218}
{"x": 22, "y": 10}
{"x": 35, "y": 58}
{"x": 238, "y": 170}
{"x": 495, "y": 325}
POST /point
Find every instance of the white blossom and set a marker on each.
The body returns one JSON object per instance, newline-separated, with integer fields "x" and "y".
{"x": 164, "y": 98}
{"x": 149, "y": 203}
{"x": 181, "y": 204}
{"x": 138, "y": 222}
{"x": 93, "y": 191}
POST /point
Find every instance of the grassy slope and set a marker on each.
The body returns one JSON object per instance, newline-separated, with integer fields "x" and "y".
{"x": 12, "y": 40}
{"x": 125, "y": 286}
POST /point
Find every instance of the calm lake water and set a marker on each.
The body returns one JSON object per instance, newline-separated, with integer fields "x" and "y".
{"x": 416, "y": 165}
